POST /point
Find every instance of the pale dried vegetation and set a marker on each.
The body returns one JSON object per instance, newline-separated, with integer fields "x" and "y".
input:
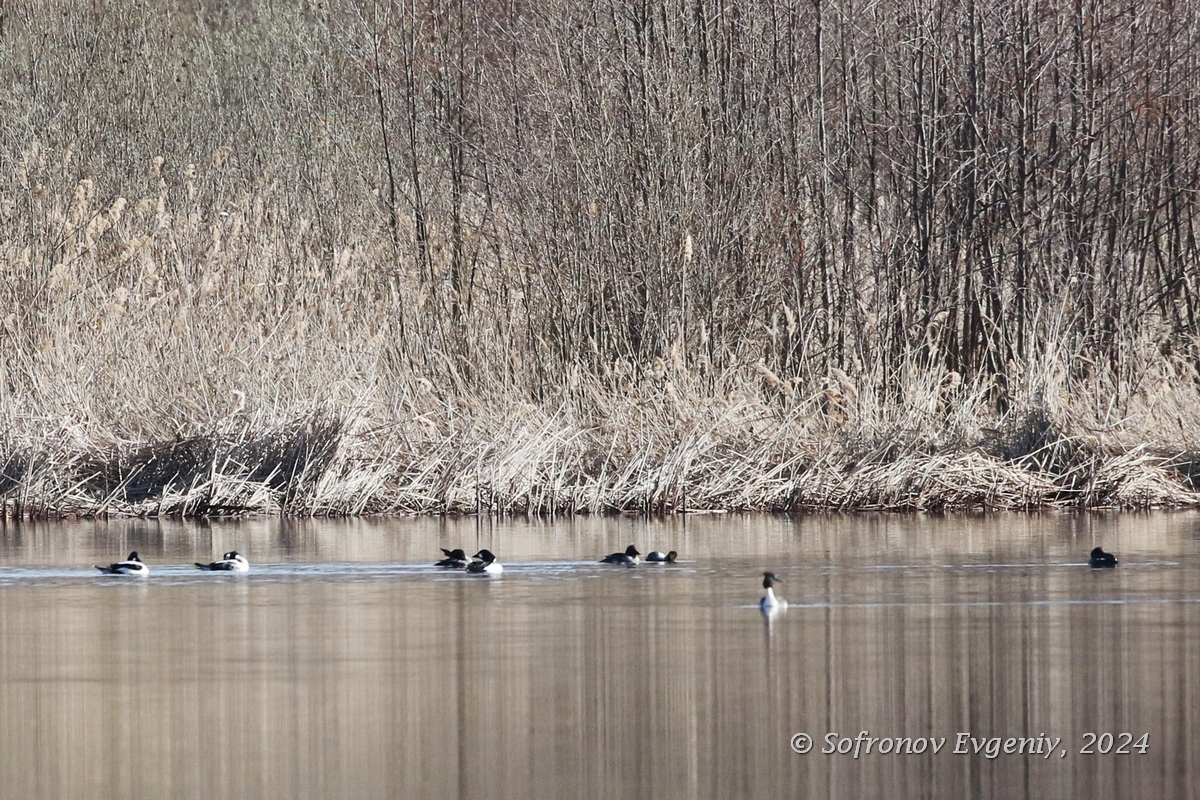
{"x": 341, "y": 259}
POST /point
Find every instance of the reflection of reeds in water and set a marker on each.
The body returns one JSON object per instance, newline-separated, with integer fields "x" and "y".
{"x": 625, "y": 688}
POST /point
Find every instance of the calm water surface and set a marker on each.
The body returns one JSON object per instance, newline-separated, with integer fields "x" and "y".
{"x": 345, "y": 666}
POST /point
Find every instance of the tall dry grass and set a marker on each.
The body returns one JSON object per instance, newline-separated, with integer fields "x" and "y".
{"x": 359, "y": 258}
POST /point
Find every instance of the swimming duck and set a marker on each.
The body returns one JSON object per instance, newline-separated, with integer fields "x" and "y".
{"x": 233, "y": 561}
{"x": 485, "y": 561}
{"x": 456, "y": 558}
{"x": 661, "y": 558}
{"x": 770, "y": 602}
{"x": 1102, "y": 559}
{"x": 130, "y": 566}
{"x": 629, "y": 558}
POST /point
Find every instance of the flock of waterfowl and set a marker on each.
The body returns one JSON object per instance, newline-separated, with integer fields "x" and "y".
{"x": 233, "y": 561}
{"x": 485, "y": 562}
{"x": 630, "y": 557}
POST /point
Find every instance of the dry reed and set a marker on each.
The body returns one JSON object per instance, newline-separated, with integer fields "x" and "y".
{"x": 422, "y": 261}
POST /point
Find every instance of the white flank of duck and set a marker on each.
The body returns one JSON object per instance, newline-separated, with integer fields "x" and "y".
{"x": 485, "y": 562}
{"x": 629, "y": 558}
{"x": 230, "y": 562}
{"x": 130, "y": 566}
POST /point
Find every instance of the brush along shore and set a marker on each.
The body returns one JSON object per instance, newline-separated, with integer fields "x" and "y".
{"x": 300, "y": 258}
{"x": 528, "y": 461}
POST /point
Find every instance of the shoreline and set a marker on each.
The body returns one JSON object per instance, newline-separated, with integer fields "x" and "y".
{"x": 321, "y": 465}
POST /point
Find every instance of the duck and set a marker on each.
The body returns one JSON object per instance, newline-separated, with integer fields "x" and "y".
{"x": 130, "y": 566}
{"x": 485, "y": 561}
{"x": 629, "y": 558}
{"x": 456, "y": 558}
{"x": 1102, "y": 559}
{"x": 770, "y": 603}
{"x": 661, "y": 558}
{"x": 233, "y": 561}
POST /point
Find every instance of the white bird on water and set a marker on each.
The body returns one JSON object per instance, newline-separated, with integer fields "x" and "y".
{"x": 770, "y": 603}
{"x": 233, "y": 561}
{"x": 485, "y": 561}
{"x": 130, "y": 566}
{"x": 629, "y": 558}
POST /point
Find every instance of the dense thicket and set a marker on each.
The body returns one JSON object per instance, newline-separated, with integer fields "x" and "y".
{"x": 812, "y": 201}
{"x": 865, "y": 181}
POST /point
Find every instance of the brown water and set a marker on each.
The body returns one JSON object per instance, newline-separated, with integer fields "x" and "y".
{"x": 344, "y": 666}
